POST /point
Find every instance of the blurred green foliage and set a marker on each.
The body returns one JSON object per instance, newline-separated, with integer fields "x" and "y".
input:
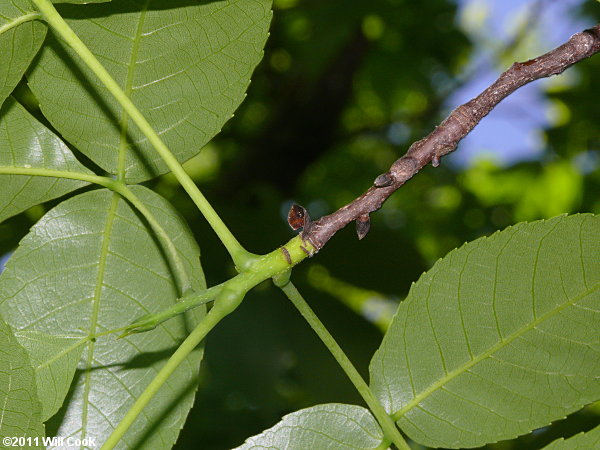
{"x": 414, "y": 55}
{"x": 344, "y": 88}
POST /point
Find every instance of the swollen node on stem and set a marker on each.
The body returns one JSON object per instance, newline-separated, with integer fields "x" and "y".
{"x": 281, "y": 279}
{"x": 228, "y": 300}
{"x": 245, "y": 261}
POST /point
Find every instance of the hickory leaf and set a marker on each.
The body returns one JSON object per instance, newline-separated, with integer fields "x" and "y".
{"x": 21, "y": 409}
{"x": 26, "y": 144}
{"x": 21, "y": 35}
{"x": 499, "y": 338}
{"x": 185, "y": 65}
{"x": 80, "y": 2}
{"x": 329, "y": 426}
{"x": 90, "y": 265}
{"x": 54, "y": 360}
{"x": 581, "y": 441}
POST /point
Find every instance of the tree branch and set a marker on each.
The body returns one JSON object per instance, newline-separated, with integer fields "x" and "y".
{"x": 449, "y": 133}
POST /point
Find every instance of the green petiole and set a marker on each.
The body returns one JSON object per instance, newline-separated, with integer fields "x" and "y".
{"x": 390, "y": 430}
{"x": 275, "y": 264}
{"x": 240, "y": 256}
{"x": 150, "y": 321}
{"x": 228, "y": 296}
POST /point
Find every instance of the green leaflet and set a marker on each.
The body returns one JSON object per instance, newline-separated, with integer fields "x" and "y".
{"x": 27, "y": 144}
{"x": 185, "y": 65}
{"x": 54, "y": 360}
{"x": 21, "y": 35}
{"x": 500, "y": 337}
{"x": 80, "y": 2}
{"x": 581, "y": 441}
{"x": 330, "y": 426}
{"x": 20, "y": 408}
{"x": 90, "y": 265}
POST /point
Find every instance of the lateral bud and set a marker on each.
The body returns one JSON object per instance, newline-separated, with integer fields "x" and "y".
{"x": 383, "y": 180}
{"x": 363, "y": 224}
{"x": 298, "y": 217}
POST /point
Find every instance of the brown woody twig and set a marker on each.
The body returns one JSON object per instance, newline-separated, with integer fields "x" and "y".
{"x": 449, "y": 133}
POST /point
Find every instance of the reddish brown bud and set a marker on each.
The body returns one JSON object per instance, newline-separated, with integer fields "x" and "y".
{"x": 298, "y": 217}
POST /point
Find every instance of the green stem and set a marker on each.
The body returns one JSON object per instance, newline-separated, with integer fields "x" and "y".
{"x": 151, "y": 321}
{"x": 230, "y": 295}
{"x": 274, "y": 264}
{"x": 385, "y": 421}
{"x": 19, "y": 20}
{"x": 122, "y": 189}
{"x": 240, "y": 256}
{"x": 223, "y": 306}
{"x": 40, "y": 172}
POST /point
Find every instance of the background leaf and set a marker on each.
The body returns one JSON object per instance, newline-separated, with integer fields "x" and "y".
{"x": 80, "y": 2}
{"x": 90, "y": 265}
{"x": 331, "y": 426}
{"x": 53, "y": 366}
{"x": 500, "y": 337}
{"x": 20, "y": 40}
{"x": 581, "y": 441}
{"x": 21, "y": 410}
{"x": 186, "y": 66}
{"x": 26, "y": 143}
